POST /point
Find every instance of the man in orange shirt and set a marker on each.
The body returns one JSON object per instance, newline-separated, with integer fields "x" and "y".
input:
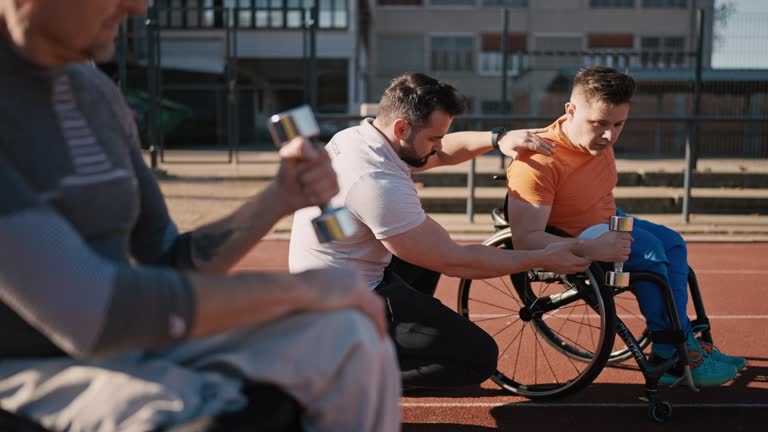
{"x": 573, "y": 191}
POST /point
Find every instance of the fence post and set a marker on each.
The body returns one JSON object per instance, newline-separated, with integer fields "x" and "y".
{"x": 151, "y": 114}
{"x": 471, "y": 191}
{"x": 504, "y": 75}
{"x": 691, "y": 142}
{"x": 230, "y": 78}
{"x": 313, "y": 23}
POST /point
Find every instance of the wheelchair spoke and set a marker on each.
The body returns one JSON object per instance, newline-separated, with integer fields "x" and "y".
{"x": 581, "y": 323}
{"x": 508, "y": 293}
{"x": 506, "y": 327}
{"x": 517, "y": 355}
{"x": 546, "y": 287}
{"x": 592, "y": 334}
{"x": 513, "y": 341}
{"x": 573, "y": 342}
{"x": 510, "y": 290}
{"x": 565, "y": 321}
{"x": 551, "y": 369}
{"x": 491, "y": 304}
{"x": 493, "y": 318}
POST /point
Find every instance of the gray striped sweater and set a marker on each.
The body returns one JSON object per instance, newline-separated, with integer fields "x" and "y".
{"x": 89, "y": 258}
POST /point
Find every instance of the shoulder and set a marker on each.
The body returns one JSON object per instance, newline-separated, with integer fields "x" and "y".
{"x": 536, "y": 162}
{"x": 98, "y": 91}
{"x": 85, "y": 73}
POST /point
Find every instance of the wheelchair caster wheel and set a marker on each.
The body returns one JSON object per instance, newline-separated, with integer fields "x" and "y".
{"x": 660, "y": 411}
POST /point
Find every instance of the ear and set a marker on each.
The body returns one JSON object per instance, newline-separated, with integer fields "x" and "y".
{"x": 570, "y": 108}
{"x": 400, "y": 129}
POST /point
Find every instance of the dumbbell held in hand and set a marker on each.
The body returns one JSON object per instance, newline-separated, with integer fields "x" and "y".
{"x": 618, "y": 277}
{"x": 333, "y": 223}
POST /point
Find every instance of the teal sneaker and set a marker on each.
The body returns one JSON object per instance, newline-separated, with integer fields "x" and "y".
{"x": 738, "y": 362}
{"x": 706, "y": 371}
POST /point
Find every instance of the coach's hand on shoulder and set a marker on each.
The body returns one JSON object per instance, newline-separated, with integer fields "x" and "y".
{"x": 305, "y": 177}
{"x": 564, "y": 257}
{"x": 518, "y": 140}
{"x": 339, "y": 288}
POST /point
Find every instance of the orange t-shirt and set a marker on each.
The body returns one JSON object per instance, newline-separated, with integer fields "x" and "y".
{"x": 577, "y": 185}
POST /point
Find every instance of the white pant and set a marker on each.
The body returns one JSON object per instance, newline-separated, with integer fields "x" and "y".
{"x": 344, "y": 376}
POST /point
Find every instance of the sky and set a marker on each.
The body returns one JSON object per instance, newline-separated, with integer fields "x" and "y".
{"x": 743, "y": 40}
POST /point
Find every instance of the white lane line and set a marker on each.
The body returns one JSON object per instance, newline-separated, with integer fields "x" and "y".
{"x": 759, "y": 272}
{"x": 572, "y": 405}
{"x": 622, "y": 316}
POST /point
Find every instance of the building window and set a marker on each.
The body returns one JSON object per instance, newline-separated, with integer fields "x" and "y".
{"x": 610, "y": 49}
{"x": 491, "y": 54}
{"x": 452, "y": 53}
{"x": 400, "y": 2}
{"x": 610, "y": 40}
{"x": 260, "y": 14}
{"x": 611, "y": 4}
{"x": 670, "y": 4}
{"x": 663, "y": 52}
{"x": 556, "y": 51}
{"x": 506, "y": 3}
{"x": 452, "y": 2}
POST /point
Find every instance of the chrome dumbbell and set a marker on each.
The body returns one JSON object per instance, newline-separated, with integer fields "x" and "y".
{"x": 618, "y": 277}
{"x": 333, "y": 223}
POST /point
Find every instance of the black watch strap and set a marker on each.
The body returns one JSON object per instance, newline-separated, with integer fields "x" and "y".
{"x": 496, "y": 133}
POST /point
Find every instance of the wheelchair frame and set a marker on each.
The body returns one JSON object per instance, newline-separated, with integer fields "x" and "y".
{"x": 658, "y": 410}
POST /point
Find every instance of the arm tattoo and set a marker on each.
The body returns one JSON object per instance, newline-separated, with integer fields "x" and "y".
{"x": 205, "y": 246}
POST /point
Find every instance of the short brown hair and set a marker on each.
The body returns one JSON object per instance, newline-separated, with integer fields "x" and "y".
{"x": 414, "y": 96}
{"x": 605, "y": 84}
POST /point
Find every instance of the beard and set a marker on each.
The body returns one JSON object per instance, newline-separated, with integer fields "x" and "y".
{"x": 413, "y": 160}
{"x": 409, "y": 155}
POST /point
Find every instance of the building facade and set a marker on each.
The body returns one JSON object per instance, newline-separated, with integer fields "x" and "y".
{"x": 461, "y": 41}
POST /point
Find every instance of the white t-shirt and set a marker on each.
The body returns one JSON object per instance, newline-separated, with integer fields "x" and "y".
{"x": 375, "y": 185}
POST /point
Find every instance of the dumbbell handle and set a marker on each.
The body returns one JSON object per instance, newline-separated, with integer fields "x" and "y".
{"x": 618, "y": 277}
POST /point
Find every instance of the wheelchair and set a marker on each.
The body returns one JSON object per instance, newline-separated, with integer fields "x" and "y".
{"x": 557, "y": 332}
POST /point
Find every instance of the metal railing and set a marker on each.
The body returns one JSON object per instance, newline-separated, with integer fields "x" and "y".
{"x": 684, "y": 124}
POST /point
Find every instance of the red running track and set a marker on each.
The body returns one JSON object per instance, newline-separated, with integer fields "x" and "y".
{"x": 732, "y": 280}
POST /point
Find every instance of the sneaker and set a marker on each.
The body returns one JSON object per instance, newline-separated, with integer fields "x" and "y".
{"x": 738, "y": 362}
{"x": 706, "y": 371}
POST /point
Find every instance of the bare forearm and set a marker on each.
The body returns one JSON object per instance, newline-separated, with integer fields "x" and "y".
{"x": 244, "y": 300}
{"x": 218, "y": 246}
{"x": 481, "y": 262}
{"x": 540, "y": 240}
{"x": 459, "y": 147}
{"x": 537, "y": 240}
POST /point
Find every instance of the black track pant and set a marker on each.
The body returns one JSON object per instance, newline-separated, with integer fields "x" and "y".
{"x": 436, "y": 347}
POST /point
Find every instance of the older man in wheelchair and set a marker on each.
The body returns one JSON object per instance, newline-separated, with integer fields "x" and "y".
{"x": 572, "y": 190}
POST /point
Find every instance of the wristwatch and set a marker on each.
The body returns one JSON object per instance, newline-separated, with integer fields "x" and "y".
{"x": 497, "y": 133}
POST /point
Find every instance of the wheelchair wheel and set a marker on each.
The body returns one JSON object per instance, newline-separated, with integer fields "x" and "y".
{"x": 555, "y": 332}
